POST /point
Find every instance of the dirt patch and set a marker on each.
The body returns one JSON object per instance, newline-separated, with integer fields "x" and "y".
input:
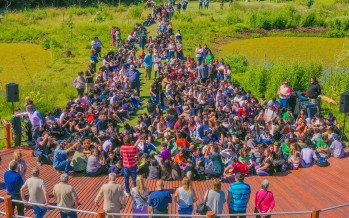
{"x": 310, "y": 30}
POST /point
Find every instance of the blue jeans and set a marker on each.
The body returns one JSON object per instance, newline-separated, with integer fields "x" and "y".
{"x": 39, "y": 212}
{"x": 64, "y": 166}
{"x": 284, "y": 102}
{"x": 188, "y": 210}
{"x": 170, "y": 55}
{"x": 70, "y": 214}
{"x": 305, "y": 165}
{"x": 127, "y": 173}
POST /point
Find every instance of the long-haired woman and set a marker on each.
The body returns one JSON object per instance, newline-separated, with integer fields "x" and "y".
{"x": 185, "y": 197}
{"x": 140, "y": 195}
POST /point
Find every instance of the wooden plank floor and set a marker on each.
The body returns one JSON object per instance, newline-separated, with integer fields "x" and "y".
{"x": 300, "y": 190}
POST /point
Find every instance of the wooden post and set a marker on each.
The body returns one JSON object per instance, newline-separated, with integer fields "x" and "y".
{"x": 8, "y": 206}
{"x": 8, "y": 135}
{"x": 100, "y": 213}
{"x": 210, "y": 214}
{"x": 315, "y": 213}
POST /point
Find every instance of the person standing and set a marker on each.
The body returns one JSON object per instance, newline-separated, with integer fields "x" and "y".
{"x": 129, "y": 153}
{"x": 238, "y": 196}
{"x": 200, "y": 4}
{"x": 207, "y": 2}
{"x": 134, "y": 76}
{"x": 93, "y": 60}
{"x": 21, "y": 164}
{"x": 215, "y": 197}
{"x": 285, "y": 92}
{"x": 37, "y": 193}
{"x": 185, "y": 197}
{"x": 264, "y": 201}
{"x": 202, "y": 72}
{"x": 13, "y": 182}
{"x": 158, "y": 200}
{"x": 314, "y": 90}
{"x": 37, "y": 124}
{"x": 66, "y": 197}
{"x": 79, "y": 84}
{"x": 89, "y": 74}
{"x": 17, "y": 128}
{"x": 113, "y": 196}
{"x": 140, "y": 195}
{"x": 148, "y": 64}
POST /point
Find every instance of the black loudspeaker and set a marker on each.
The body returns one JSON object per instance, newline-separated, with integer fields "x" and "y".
{"x": 344, "y": 105}
{"x": 12, "y": 92}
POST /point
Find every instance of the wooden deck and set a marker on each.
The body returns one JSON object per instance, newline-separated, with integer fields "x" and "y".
{"x": 300, "y": 190}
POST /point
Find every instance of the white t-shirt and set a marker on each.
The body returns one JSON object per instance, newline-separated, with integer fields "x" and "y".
{"x": 36, "y": 187}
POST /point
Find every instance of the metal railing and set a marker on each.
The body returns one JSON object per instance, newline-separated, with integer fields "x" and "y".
{"x": 210, "y": 214}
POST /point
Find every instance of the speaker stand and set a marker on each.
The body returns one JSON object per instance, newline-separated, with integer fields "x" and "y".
{"x": 13, "y": 108}
{"x": 343, "y": 128}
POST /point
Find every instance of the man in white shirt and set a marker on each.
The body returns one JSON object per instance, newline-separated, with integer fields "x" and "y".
{"x": 66, "y": 197}
{"x": 35, "y": 120}
{"x": 37, "y": 193}
{"x": 113, "y": 196}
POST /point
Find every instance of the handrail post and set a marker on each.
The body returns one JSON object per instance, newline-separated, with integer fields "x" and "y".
{"x": 8, "y": 135}
{"x": 100, "y": 213}
{"x": 8, "y": 206}
{"x": 315, "y": 213}
{"x": 210, "y": 214}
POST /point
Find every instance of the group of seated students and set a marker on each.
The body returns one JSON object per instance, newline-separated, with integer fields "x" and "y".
{"x": 208, "y": 126}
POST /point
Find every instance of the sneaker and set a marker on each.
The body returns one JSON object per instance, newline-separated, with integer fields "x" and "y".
{"x": 127, "y": 194}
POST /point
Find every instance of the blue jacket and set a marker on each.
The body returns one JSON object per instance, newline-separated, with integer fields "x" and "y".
{"x": 148, "y": 60}
{"x": 13, "y": 182}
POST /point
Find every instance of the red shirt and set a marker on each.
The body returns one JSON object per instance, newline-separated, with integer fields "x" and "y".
{"x": 240, "y": 167}
{"x": 129, "y": 153}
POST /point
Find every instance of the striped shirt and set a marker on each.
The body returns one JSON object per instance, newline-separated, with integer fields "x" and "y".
{"x": 128, "y": 153}
{"x": 240, "y": 192}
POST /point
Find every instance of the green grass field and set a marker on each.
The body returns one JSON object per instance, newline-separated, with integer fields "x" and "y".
{"x": 20, "y": 62}
{"x": 325, "y": 51}
{"x": 73, "y": 29}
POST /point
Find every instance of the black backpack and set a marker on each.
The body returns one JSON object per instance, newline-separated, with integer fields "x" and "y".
{"x": 322, "y": 162}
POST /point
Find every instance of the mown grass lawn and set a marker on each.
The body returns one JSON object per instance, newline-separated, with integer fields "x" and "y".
{"x": 325, "y": 51}
{"x": 19, "y": 62}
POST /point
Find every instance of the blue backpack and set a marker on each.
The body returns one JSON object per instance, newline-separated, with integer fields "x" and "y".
{"x": 322, "y": 162}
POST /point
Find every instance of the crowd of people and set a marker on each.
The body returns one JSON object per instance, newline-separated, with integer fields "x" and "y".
{"x": 208, "y": 128}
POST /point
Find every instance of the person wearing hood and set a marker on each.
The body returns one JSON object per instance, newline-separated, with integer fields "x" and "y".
{"x": 314, "y": 90}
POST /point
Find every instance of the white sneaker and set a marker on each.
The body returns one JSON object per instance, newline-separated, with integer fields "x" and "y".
{"x": 126, "y": 194}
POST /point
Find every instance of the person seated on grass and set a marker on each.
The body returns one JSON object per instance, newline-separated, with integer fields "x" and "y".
{"x": 322, "y": 146}
{"x": 308, "y": 157}
{"x": 154, "y": 170}
{"x": 235, "y": 167}
{"x": 285, "y": 148}
{"x": 266, "y": 168}
{"x": 215, "y": 167}
{"x": 181, "y": 160}
{"x": 94, "y": 167}
{"x": 61, "y": 160}
{"x": 246, "y": 158}
{"x": 117, "y": 169}
{"x": 295, "y": 157}
{"x": 336, "y": 148}
{"x": 79, "y": 160}
{"x": 142, "y": 166}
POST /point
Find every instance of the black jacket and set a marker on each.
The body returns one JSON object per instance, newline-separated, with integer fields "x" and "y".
{"x": 314, "y": 90}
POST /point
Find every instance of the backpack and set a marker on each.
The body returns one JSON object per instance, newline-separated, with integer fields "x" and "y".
{"x": 322, "y": 162}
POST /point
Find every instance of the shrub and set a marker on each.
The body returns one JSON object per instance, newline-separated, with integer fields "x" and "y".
{"x": 238, "y": 63}
{"x": 266, "y": 80}
{"x": 48, "y": 43}
{"x": 135, "y": 11}
{"x": 335, "y": 34}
